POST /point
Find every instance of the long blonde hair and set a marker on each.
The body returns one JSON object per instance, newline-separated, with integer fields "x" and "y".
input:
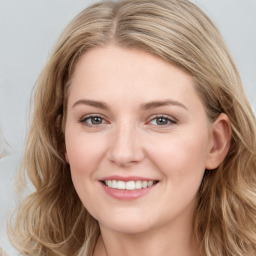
{"x": 52, "y": 220}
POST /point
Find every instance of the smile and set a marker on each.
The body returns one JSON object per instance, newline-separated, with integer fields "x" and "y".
{"x": 129, "y": 185}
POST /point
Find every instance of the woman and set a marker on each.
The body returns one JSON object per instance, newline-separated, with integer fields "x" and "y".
{"x": 142, "y": 140}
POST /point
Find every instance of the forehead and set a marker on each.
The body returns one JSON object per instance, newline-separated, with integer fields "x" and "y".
{"x": 113, "y": 72}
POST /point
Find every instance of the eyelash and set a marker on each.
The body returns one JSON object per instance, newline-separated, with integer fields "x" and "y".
{"x": 84, "y": 120}
{"x": 169, "y": 121}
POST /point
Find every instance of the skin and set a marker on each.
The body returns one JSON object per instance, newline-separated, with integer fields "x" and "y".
{"x": 130, "y": 139}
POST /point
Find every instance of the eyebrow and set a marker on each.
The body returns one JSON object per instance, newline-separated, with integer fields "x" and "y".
{"x": 157, "y": 104}
{"x": 93, "y": 103}
{"x": 146, "y": 106}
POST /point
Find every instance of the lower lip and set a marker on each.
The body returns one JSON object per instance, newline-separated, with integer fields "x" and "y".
{"x": 123, "y": 194}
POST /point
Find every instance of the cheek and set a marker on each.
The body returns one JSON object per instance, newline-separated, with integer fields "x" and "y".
{"x": 181, "y": 157}
{"x": 83, "y": 160}
{"x": 83, "y": 154}
{"x": 82, "y": 149}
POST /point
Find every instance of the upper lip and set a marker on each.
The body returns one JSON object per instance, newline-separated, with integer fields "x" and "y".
{"x": 128, "y": 178}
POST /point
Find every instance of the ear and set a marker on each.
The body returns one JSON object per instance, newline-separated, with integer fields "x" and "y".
{"x": 221, "y": 136}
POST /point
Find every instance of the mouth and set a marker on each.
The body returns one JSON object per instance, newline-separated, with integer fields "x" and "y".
{"x": 129, "y": 185}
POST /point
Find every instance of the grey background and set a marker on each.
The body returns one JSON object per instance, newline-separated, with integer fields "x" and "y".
{"x": 28, "y": 31}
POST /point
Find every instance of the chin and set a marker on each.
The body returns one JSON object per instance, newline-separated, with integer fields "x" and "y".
{"x": 126, "y": 224}
{"x": 129, "y": 228}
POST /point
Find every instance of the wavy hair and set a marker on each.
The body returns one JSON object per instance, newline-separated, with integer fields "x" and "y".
{"x": 52, "y": 220}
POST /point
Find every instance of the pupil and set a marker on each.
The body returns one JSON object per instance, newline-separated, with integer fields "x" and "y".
{"x": 96, "y": 120}
{"x": 161, "y": 121}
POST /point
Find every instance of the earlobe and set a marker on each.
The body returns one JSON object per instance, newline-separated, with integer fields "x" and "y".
{"x": 221, "y": 135}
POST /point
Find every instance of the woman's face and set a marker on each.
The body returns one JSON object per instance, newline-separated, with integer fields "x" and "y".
{"x": 137, "y": 140}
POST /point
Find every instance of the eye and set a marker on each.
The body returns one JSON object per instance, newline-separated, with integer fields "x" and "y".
{"x": 162, "y": 121}
{"x": 93, "y": 120}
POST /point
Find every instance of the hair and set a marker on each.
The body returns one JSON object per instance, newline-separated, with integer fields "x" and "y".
{"x": 52, "y": 220}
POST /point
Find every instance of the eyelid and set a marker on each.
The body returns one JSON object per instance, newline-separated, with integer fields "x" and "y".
{"x": 88, "y": 116}
{"x": 91, "y": 115}
{"x": 169, "y": 118}
{"x": 83, "y": 119}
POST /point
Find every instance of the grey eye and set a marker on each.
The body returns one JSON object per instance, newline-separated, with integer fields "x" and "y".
{"x": 161, "y": 120}
{"x": 94, "y": 120}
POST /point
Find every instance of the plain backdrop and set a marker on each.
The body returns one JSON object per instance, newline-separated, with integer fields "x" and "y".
{"x": 28, "y": 31}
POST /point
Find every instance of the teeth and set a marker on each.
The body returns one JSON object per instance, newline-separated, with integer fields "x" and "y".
{"x": 121, "y": 184}
{"x": 129, "y": 185}
{"x": 114, "y": 184}
{"x": 144, "y": 184}
{"x": 138, "y": 184}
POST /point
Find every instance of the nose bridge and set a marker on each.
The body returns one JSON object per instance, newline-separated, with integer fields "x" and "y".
{"x": 125, "y": 148}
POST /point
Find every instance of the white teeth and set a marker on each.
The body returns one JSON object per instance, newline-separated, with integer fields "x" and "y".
{"x": 144, "y": 184}
{"x": 114, "y": 184}
{"x": 150, "y": 183}
{"x": 129, "y": 185}
{"x": 138, "y": 184}
{"x": 121, "y": 184}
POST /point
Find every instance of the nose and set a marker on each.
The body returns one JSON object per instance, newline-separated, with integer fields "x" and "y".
{"x": 125, "y": 146}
